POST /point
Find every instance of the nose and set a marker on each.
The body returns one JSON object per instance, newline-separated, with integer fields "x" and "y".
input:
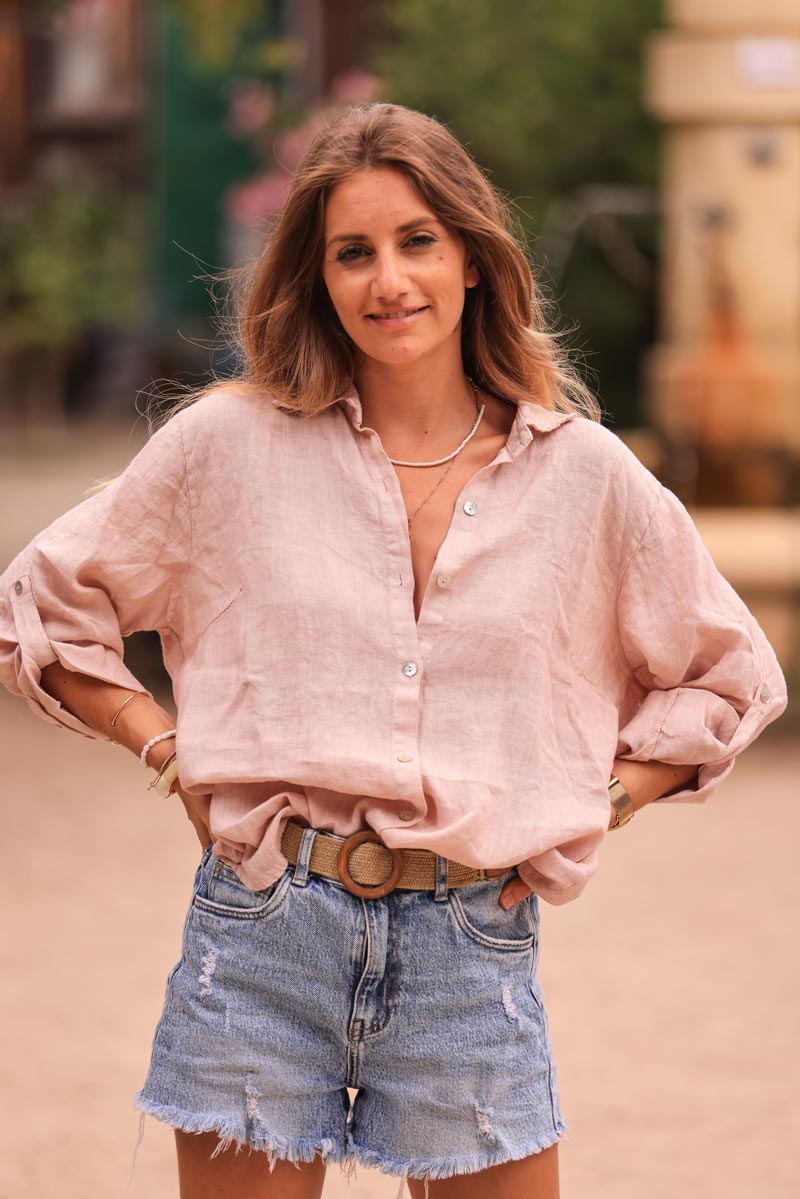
{"x": 389, "y": 280}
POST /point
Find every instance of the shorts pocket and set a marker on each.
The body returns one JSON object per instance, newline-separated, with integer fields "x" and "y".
{"x": 222, "y": 893}
{"x": 477, "y": 912}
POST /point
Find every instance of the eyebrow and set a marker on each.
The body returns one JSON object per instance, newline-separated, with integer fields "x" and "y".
{"x": 406, "y": 228}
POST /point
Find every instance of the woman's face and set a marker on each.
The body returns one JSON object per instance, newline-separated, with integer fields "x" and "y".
{"x": 395, "y": 274}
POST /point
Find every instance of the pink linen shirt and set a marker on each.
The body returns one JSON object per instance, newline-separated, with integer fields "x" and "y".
{"x": 573, "y": 615}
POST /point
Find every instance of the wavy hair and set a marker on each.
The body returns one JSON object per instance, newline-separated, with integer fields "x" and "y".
{"x": 291, "y": 342}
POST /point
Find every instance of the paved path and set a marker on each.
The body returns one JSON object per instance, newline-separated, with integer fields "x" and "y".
{"x": 671, "y": 984}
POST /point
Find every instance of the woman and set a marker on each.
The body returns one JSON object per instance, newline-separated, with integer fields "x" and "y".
{"x": 432, "y": 631}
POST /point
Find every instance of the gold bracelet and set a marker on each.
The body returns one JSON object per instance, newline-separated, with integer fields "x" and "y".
{"x": 162, "y": 783}
{"x": 621, "y": 803}
{"x": 122, "y": 705}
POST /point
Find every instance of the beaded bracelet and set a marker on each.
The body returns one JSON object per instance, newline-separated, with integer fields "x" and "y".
{"x": 154, "y": 741}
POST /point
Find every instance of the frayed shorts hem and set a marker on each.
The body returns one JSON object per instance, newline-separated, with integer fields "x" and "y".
{"x": 447, "y": 1167}
{"x": 233, "y": 1132}
{"x": 306, "y": 1149}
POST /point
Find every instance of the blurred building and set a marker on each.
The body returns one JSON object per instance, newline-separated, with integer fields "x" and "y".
{"x": 72, "y": 134}
{"x": 136, "y": 98}
{"x": 724, "y": 380}
{"x": 72, "y": 84}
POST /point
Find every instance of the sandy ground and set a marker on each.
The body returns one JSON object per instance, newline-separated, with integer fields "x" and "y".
{"x": 671, "y": 983}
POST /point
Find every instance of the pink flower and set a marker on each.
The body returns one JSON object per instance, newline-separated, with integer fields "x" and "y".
{"x": 291, "y": 145}
{"x": 247, "y": 204}
{"x": 251, "y": 107}
{"x": 356, "y": 87}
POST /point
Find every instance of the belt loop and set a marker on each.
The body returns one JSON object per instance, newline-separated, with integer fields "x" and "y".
{"x": 441, "y": 878}
{"x": 300, "y": 876}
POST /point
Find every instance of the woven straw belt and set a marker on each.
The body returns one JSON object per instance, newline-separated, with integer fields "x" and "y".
{"x": 369, "y": 868}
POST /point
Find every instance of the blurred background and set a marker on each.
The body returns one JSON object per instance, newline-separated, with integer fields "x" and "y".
{"x": 652, "y": 149}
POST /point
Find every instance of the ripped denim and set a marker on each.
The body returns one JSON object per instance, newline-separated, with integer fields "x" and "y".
{"x": 426, "y": 1005}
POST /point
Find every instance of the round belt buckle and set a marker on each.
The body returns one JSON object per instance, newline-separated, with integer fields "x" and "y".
{"x": 367, "y": 890}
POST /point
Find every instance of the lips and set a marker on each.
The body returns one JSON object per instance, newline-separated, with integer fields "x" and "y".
{"x": 394, "y": 316}
{"x": 397, "y": 318}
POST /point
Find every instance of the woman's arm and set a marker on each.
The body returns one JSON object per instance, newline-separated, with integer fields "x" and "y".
{"x": 95, "y": 702}
{"x": 112, "y": 565}
{"x": 644, "y": 782}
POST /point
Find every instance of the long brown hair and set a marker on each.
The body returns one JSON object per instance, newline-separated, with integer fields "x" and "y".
{"x": 291, "y": 342}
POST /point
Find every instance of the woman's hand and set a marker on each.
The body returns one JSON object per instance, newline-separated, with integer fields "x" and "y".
{"x": 197, "y": 809}
{"x": 196, "y": 806}
{"x": 514, "y": 890}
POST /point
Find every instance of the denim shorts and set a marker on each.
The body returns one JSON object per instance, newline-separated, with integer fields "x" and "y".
{"x": 427, "y": 1004}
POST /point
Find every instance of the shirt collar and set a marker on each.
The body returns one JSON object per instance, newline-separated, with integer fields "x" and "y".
{"x": 530, "y": 417}
{"x": 533, "y": 418}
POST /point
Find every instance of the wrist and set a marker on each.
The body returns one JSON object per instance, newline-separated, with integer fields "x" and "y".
{"x": 138, "y": 722}
{"x": 157, "y": 754}
{"x": 651, "y": 780}
{"x": 621, "y": 804}
{"x": 165, "y": 781}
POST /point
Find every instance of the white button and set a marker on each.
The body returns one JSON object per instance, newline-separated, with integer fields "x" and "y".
{"x": 766, "y": 694}
{"x": 404, "y": 757}
{"x": 406, "y": 815}
{"x": 410, "y": 669}
{"x": 444, "y": 581}
{"x": 470, "y": 507}
{"x": 18, "y": 587}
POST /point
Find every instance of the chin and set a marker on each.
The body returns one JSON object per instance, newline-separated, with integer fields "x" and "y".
{"x": 405, "y": 352}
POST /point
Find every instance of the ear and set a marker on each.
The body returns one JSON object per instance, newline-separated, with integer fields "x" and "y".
{"x": 472, "y": 275}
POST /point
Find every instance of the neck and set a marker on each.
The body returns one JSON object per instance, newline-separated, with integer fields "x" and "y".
{"x": 416, "y": 411}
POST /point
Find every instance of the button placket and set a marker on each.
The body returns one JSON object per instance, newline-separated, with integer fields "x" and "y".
{"x": 402, "y": 625}
{"x": 411, "y": 637}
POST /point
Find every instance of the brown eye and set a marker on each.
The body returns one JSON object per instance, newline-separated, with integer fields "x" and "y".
{"x": 350, "y": 254}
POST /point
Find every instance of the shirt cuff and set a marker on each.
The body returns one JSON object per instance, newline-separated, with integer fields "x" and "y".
{"x": 34, "y": 651}
{"x": 689, "y": 725}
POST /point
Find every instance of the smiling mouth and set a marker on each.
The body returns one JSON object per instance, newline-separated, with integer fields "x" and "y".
{"x": 395, "y": 316}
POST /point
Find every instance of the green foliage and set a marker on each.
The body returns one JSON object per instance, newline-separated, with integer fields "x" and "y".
{"x": 221, "y": 36}
{"x": 69, "y": 259}
{"x": 613, "y": 323}
{"x": 231, "y": 36}
{"x": 546, "y": 95}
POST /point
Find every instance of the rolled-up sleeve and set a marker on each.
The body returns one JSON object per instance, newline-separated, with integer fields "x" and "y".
{"x": 110, "y": 566}
{"x": 708, "y": 680}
